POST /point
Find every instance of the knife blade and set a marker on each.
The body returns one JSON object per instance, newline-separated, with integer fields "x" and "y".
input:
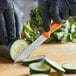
{"x": 44, "y": 36}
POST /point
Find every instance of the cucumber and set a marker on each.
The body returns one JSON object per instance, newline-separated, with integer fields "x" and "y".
{"x": 39, "y": 75}
{"x": 5, "y": 51}
{"x": 33, "y": 59}
{"x": 17, "y": 48}
{"x": 70, "y": 67}
{"x": 54, "y": 65}
{"x": 39, "y": 67}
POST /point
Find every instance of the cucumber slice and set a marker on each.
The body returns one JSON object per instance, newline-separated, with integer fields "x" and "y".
{"x": 39, "y": 67}
{"x": 70, "y": 67}
{"x": 54, "y": 65}
{"x": 40, "y": 75}
{"x": 33, "y": 59}
{"x": 17, "y": 48}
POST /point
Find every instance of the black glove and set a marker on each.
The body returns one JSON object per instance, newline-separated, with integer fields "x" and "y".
{"x": 10, "y": 21}
{"x": 58, "y": 10}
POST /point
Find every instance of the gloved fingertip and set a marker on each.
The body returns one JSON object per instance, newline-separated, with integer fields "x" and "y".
{"x": 63, "y": 21}
{"x": 71, "y": 17}
{"x": 60, "y": 21}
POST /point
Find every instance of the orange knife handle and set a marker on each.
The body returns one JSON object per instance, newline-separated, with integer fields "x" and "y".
{"x": 54, "y": 27}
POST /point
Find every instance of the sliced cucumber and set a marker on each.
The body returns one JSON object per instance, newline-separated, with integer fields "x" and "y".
{"x": 17, "y": 48}
{"x": 54, "y": 65}
{"x": 40, "y": 75}
{"x": 39, "y": 67}
{"x": 70, "y": 67}
{"x": 33, "y": 59}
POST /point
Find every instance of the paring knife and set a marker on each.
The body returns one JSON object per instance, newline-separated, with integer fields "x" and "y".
{"x": 44, "y": 36}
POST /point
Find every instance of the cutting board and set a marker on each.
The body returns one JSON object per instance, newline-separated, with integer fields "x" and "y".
{"x": 60, "y": 53}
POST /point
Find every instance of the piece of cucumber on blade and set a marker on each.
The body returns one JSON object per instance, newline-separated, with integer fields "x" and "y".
{"x": 17, "y": 48}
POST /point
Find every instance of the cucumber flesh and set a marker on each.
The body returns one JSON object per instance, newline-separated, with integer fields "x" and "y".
{"x": 40, "y": 67}
{"x": 54, "y": 65}
{"x": 17, "y": 48}
{"x": 70, "y": 67}
{"x": 40, "y": 75}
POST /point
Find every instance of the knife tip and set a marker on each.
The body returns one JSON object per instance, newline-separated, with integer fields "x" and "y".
{"x": 16, "y": 61}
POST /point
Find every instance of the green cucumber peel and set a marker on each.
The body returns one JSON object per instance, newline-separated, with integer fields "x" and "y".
{"x": 54, "y": 65}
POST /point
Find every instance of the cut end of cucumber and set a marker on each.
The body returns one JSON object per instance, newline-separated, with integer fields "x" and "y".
{"x": 40, "y": 66}
{"x": 40, "y": 75}
{"x": 70, "y": 67}
{"x": 17, "y": 48}
{"x": 54, "y": 65}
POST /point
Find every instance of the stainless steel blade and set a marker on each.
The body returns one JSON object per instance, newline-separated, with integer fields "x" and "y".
{"x": 31, "y": 48}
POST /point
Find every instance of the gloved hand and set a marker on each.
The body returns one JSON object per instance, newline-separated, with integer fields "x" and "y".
{"x": 58, "y": 10}
{"x": 10, "y": 21}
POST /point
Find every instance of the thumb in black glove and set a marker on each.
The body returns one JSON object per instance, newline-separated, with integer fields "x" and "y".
{"x": 10, "y": 21}
{"x": 58, "y": 10}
